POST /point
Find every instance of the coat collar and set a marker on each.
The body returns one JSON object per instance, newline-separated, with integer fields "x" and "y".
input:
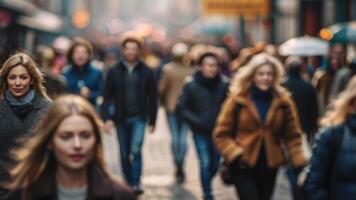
{"x": 100, "y": 185}
{"x": 277, "y": 101}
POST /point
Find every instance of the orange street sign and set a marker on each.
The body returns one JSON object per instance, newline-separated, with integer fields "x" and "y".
{"x": 246, "y": 8}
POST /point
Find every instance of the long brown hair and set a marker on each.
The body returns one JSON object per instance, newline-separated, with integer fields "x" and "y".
{"x": 33, "y": 157}
{"x": 339, "y": 109}
{"x": 31, "y": 66}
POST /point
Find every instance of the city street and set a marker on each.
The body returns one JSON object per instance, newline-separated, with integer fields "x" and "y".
{"x": 158, "y": 169}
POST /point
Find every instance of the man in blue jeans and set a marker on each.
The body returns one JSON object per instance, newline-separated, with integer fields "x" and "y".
{"x": 131, "y": 88}
{"x": 199, "y": 106}
{"x": 170, "y": 87}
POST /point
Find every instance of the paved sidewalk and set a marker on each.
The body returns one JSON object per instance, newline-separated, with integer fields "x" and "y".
{"x": 158, "y": 169}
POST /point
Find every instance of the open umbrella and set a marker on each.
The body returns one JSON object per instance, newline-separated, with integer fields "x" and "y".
{"x": 304, "y": 46}
{"x": 340, "y": 33}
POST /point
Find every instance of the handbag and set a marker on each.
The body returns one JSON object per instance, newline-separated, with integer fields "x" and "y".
{"x": 225, "y": 169}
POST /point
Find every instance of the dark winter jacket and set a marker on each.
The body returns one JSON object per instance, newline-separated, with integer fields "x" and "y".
{"x": 200, "y": 102}
{"x": 87, "y": 76}
{"x": 12, "y": 128}
{"x": 114, "y": 93}
{"x": 305, "y": 98}
{"x": 333, "y": 164}
{"x": 100, "y": 187}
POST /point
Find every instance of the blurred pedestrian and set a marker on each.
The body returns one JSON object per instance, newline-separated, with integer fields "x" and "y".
{"x": 257, "y": 118}
{"x": 304, "y": 96}
{"x": 83, "y": 78}
{"x": 131, "y": 88}
{"x": 333, "y": 164}
{"x": 23, "y": 100}
{"x": 342, "y": 77}
{"x": 64, "y": 158}
{"x": 199, "y": 106}
{"x": 170, "y": 87}
{"x": 55, "y": 84}
{"x": 324, "y": 78}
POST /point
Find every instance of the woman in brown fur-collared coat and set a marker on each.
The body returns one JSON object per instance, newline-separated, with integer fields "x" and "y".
{"x": 255, "y": 120}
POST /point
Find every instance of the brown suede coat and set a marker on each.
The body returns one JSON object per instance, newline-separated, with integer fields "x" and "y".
{"x": 281, "y": 126}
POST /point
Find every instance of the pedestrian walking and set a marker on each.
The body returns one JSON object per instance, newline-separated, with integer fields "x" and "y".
{"x": 256, "y": 122}
{"x": 324, "y": 78}
{"x": 199, "y": 106}
{"x": 55, "y": 84}
{"x": 23, "y": 100}
{"x": 64, "y": 158}
{"x": 83, "y": 78}
{"x": 333, "y": 164}
{"x": 304, "y": 96}
{"x": 170, "y": 87}
{"x": 131, "y": 88}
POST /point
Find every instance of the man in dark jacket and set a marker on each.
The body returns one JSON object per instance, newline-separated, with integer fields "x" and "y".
{"x": 304, "y": 96}
{"x": 131, "y": 88}
{"x": 199, "y": 106}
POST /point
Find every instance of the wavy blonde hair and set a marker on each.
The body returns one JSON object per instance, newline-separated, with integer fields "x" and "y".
{"x": 339, "y": 109}
{"x": 34, "y": 157}
{"x": 243, "y": 79}
{"x": 26, "y": 61}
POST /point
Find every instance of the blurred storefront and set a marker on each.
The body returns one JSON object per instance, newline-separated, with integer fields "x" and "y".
{"x": 24, "y": 25}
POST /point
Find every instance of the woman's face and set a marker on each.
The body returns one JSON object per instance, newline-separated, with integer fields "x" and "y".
{"x": 19, "y": 81}
{"x": 80, "y": 55}
{"x": 264, "y": 76}
{"x": 74, "y": 143}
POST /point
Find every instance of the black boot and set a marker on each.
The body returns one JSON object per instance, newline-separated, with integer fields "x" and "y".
{"x": 180, "y": 176}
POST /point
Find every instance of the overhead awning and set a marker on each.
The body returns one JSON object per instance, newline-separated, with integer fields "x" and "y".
{"x": 34, "y": 17}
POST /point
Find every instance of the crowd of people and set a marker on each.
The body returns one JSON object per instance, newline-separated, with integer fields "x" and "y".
{"x": 257, "y": 112}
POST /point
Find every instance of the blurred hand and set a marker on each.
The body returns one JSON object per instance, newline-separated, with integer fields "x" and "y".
{"x": 108, "y": 126}
{"x": 151, "y": 128}
{"x": 85, "y": 92}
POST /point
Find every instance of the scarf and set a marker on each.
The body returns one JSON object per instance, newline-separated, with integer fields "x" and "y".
{"x": 20, "y": 106}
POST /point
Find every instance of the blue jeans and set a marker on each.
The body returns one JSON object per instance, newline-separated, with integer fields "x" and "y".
{"x": 209, "y": 159}
{"x": 131, "y": 134}
{"x": 179, "y": 130}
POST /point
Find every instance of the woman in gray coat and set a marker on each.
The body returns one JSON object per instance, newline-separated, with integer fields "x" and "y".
{"x": 23, "y": 99}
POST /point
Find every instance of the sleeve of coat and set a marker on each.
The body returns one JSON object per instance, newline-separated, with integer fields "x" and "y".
{"x": 97, "y": 91}
{"x": 315, "y": 185}
{"x": 183, "y": 107}
{"x": 292, "y": 135}
{"x": 223, "y": 137}
{"x": 163, "y": 84}
{"x": 108, "y": 95}
{"x": 152, "y": 98}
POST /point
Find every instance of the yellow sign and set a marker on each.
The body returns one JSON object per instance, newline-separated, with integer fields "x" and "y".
{"x": 81, "y": 19}
{"x": 246, "y": 8}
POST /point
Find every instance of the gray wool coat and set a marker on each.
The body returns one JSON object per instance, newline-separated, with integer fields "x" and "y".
{"x": 12, "y": 127}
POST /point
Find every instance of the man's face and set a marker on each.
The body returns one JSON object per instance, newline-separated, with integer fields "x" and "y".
{"x": 131, "y": 51}
{"x": 337, "y": 56}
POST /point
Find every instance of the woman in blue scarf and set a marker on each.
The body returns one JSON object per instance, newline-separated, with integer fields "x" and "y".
{"x": 23, "y": 99}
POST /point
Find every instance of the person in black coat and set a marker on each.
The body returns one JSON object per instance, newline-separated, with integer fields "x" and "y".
{"x": 23, "y": 100}
{"x": 131, "y": 89}
{"x": 304, "y": 96}
{"x": 333, "y": 164}
{"x": 199, "y": 106}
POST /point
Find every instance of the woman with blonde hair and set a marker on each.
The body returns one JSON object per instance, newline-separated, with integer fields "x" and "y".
{"x": 256, "y": 122}
{"x": 64, "y": 158}
{"x": 333, "y": 164}
{"x": 23, "y": 99}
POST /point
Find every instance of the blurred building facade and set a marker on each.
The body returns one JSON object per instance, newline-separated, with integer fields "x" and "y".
{"x": 306, "y": 17}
